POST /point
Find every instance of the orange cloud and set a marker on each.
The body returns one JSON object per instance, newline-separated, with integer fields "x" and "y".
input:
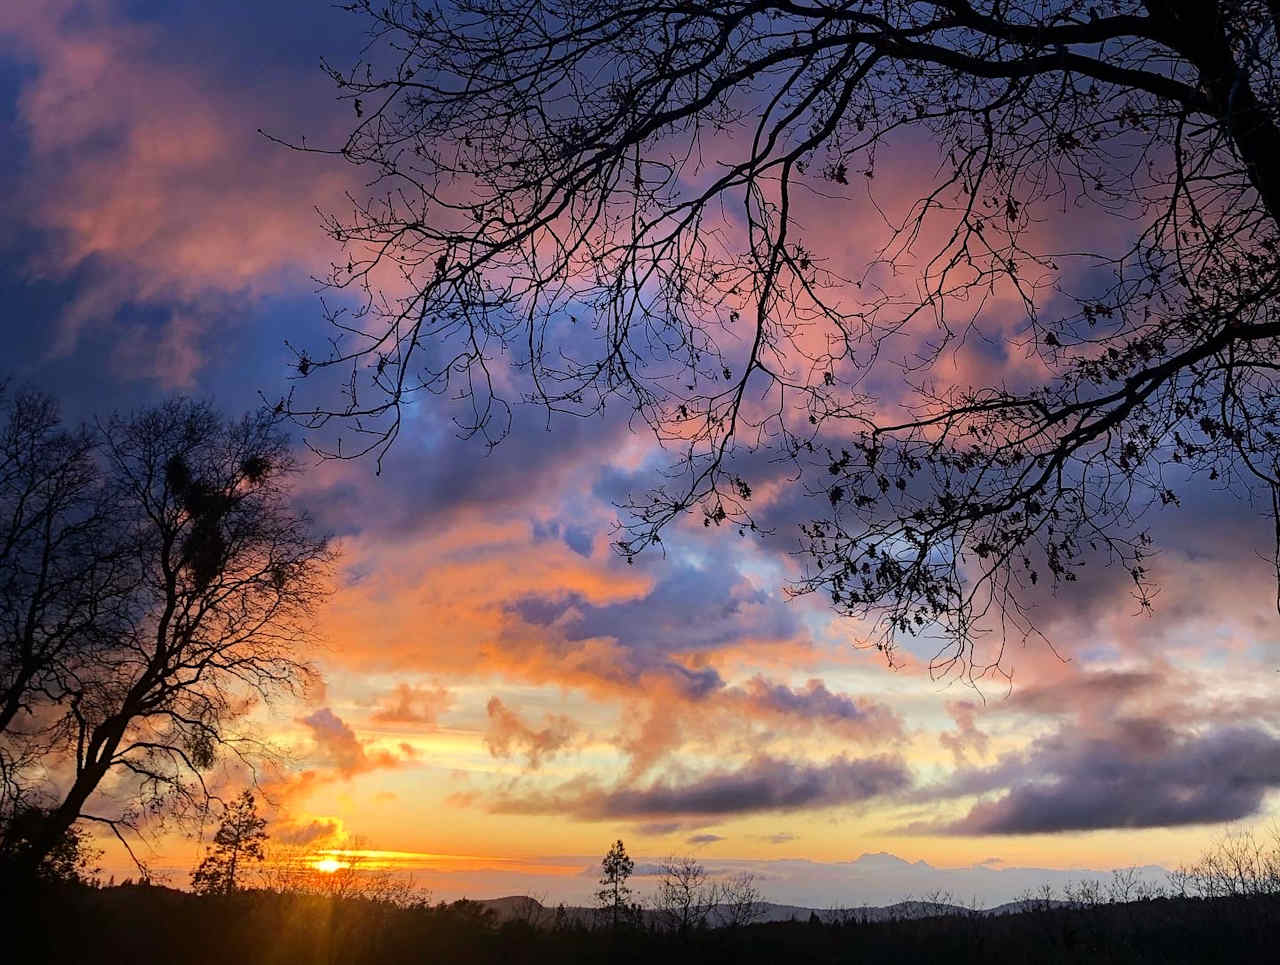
{"x": 414, "y": 705}
{"x": 508, "y": 734}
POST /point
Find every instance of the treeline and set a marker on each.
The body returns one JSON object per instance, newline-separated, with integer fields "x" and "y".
{"x": 143, "y": 924}
{"x": 1223, "y": 908}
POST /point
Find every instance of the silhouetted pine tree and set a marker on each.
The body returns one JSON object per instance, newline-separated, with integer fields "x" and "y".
{"x": 239, "y": 838}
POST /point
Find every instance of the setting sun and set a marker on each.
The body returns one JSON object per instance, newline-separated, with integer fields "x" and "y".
{"x": 329, "y": 865}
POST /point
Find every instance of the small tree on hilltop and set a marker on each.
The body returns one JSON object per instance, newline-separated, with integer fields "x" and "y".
{"x": 614, "y": 896}
{"x": 685, "y": 894}
{"x": 741, "y": 903}
{"x": 239, "y": 838}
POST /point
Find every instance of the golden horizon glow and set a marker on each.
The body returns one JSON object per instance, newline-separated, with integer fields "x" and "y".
{"x": 375, "y": 859}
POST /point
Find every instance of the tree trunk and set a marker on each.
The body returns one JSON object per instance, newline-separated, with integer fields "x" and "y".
{"x": 59, "y": 821}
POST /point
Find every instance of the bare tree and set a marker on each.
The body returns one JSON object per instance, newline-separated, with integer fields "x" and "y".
{"x": 1240, "y": 864}
{"x": 741, "y": 902}
{"x": 224, "y": 579}
{"x": 685, "y": 895}
{"x": 608, "y": 197}
{"x": 59, "y": 582}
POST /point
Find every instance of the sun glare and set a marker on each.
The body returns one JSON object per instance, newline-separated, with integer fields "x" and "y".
{"x": 329, "y": 865}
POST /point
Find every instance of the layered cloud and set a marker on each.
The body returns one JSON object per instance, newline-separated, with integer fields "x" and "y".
{"x": 761, "y": 784}
{"x": 1143, "y": 774}
{"x": 814, "y": 703}
{"x": 311, "y": 833}
{"x": 148, "y": 184}
{"x": 480, "y": 611}
{"x": 1131, "y": 749}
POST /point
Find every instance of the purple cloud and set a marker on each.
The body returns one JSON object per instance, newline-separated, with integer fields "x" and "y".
{"x": 763, "y": 784}
{"x": 1138, "y": 774}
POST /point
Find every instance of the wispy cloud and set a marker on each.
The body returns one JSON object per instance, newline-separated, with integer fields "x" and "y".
{"x": 508, "y": 734}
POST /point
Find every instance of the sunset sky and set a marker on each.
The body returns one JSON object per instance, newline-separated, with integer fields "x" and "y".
{"x": 503, "y": 695}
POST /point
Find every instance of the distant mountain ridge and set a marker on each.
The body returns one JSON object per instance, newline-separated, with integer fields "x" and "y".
{"x": 525, "y": 908}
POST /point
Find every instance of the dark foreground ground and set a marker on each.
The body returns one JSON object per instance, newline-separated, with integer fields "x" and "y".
{"x": 158, "y": 925}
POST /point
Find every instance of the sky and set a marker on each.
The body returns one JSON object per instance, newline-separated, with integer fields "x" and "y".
{"x": 503, "y": 695}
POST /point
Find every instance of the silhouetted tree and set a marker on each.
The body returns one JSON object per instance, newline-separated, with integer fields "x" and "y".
{"x": 608, "y": 196}
{"x": 1240, "y": 864}
{"x": 741, "y": 902}
{"x": 685, "y": 894}
{"x": 60, "y": 582}
{"x": 222, "y": 583}
{"x": 240, "y": 838}
{"x": 72, "y": 859}
{"x": 614, "y": 896}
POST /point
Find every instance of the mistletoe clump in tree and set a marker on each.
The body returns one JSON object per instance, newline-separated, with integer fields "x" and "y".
{"x": 607, "y": 197}
{"x": 164, "y": 587}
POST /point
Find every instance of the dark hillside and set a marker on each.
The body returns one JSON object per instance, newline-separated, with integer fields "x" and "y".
{"x": 146, "y": 925}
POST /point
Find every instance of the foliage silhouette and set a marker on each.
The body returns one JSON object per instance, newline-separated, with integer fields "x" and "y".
{"x": 61, "y": 584}
{"x": 72, "y": 859}
{"x": 614, "y": 896}
{"x": 741, "y": 902}
{"x": 611, "y": 197}
{"x": 686, "y": 894}
{"x": 213, "y": 580}
{"x": 240, "y": 838}
{"x": 1202, "y": 923}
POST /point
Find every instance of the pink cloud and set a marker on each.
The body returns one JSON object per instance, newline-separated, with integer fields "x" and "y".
{"x": 151, "y": 174}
